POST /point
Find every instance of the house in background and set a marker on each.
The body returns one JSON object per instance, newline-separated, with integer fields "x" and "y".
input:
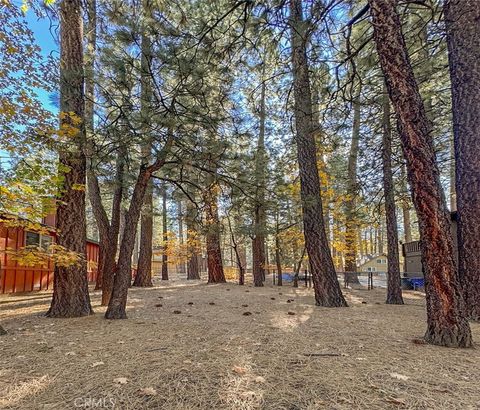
{"x": 373, "y": 263}
{"x": 16, "y": 278}
{"x": 413, "y": 256}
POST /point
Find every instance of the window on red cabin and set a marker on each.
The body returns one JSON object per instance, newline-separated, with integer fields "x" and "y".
{"x": 38, "y": 240}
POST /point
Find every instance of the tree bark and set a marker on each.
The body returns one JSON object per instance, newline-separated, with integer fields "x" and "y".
{"x": 407, "y": 226}
{"x": 238, "y": 258}
{"x": 326, "y": 286}
{"x": 258, "y": 243}
{"x": 462, "y": 20}
{"x": 278, "y": 261}
{"x": 212, "y": 222}
{"x": 394, "y": 290}
{"x": 70, "y": 285}
{"x": 122, "y": 279}
{"x": 143, "y": 278}
{"x": 447, "y": 323}
{"x": 193, "y": 271}
{"x": 180, "y": 233}
{"x": 351, "y": 223}
{"x": 165, "y": 234}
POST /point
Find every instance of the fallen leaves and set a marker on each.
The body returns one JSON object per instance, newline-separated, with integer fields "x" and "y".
{"x": 148, "y": 391}
{"x": 399, "y": 376}
{"x": 239, "y": 370}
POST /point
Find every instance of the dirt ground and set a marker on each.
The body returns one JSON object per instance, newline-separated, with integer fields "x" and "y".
{"x": 197, "y": 346}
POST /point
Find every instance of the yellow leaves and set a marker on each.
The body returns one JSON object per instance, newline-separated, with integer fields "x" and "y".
{"x": 14, "y": 222}
{"x": 36, "y": 256}
{"x": 26, "y": 6}
{"x": 11, "y": 49}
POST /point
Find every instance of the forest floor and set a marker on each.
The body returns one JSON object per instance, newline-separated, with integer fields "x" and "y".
{"x": 194, "y": 346}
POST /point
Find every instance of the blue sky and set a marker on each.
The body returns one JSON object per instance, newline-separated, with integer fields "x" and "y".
{"x": 45, "y": 34}
{"x": 45, "y": 38}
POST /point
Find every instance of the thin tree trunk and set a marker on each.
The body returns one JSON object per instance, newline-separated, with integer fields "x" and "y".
{"x": 143, "y": 278}
{"x": 447, "y": 323}
{"x": 70, "y": 285}
{"x": 326, "y": 286}
{"x": 278, "y": 260}
{"x": 394, "y": 290}
{"x": 407, "y": 226}
{"x": 462, "y": 19}
{"x": 89, "y": 64}
{"x": 180, "y": 233}
{"x": 165, "y": 234}
{"x": 193, "y": 271}
{"x": 351, "y": 223}
{"x": 258, "y": 243}
{"x": 240, "y": 266}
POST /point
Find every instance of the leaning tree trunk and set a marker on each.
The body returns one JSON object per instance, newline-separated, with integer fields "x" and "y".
{"x": 462, "y": 20}
{"x": 394, "y": 290}
{"x": 122, "y": 280}
{"x": 193, "y": 270}
{"x": 70, "y": 284}
{"x": 258, "y": 243}
{"x": 447, "y": 323}
{"x": 112, "y": 241}
{"x": 326, "y": 286}
{"x": 123, "y": 276}
{"x": 351, "y": 223}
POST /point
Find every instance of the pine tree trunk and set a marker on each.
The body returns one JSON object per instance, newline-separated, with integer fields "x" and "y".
{"x": 109, "y": 267}
{"x": 180, "y": 233}
{"x": 240, "y": 266}
{"x": 70, "y": 286}
{"x": 407, "y": 226}
{"x": 165, "y": 234}
{"x": 462, "y": 20}
{"x": 447, "y": 324}
{"x": 123, "y": 276}
{"x": 122, "y": 279}
{"x": 351, "y": 223}
{"x": 143, "y": 278}
{"x": 214, "y": 254}
{"x": 394, "y": 290}
{"x": 258, "y": 243}
{"x": 326, "y": 286}
{"x": 193, "y": 270}
{"x": 89, "y": 64}
{"x": 278, "y": 261}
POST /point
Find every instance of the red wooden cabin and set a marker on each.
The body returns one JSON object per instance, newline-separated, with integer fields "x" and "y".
{"x": 15, "y": 278}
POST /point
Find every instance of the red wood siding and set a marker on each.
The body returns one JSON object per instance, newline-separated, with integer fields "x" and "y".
{"x": 15, "y": 278}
